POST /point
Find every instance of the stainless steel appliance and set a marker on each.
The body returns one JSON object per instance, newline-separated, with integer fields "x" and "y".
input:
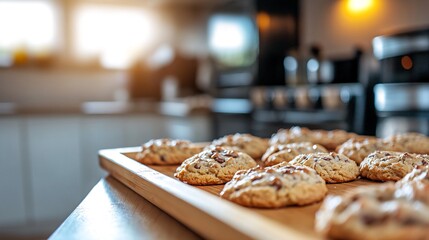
{"x": 402, "y": 96}
{"x": 402, "y": 107}
{"x": 327, "y": 106}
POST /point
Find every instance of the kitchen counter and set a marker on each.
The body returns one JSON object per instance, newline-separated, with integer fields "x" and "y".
{"x": 113, "y": 211}
{"x": 179, "y": 107}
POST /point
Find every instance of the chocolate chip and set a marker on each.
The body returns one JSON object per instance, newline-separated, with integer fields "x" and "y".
{"x": 162, "y": 157}
{"x": 409, "y": 221}
{"x": 196, "y": 166}
{"x": 217, "y": 157}
{"x": 229, "y": 153}
{"x": 277, "y": 183}
{"x": 381, "y": 198}
{"x": 369, "y": 220}
{"x": 355, "y": 198}
{"x": 424, "y": 163}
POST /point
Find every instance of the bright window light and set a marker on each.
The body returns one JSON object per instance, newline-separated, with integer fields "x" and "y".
{"x": 114, "y": 35}
{"x": 233, "y": 39}
{"x": 27, "y": 24}
{"x": 228, "y": 36}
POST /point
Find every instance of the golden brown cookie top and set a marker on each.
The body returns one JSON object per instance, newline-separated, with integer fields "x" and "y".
{"x": 252, "y": 145}
{"x": 213, "y": 166}
{"x": 167, "y": 151}
{"x": 409, "y": 142}
{"x": 299, "y": 147}
{"x": 275, "y": 186}
{"x": 328, "y": 139}
{"x": 391, "y": 166}
{"x": 383, "y": 210}
{"x": 332, "y": 167}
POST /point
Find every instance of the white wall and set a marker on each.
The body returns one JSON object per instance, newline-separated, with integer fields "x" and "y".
{"x": 330, "y": 24}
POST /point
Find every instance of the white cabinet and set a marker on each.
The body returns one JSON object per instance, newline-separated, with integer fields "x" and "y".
{"x": 98, "y": 132}
{"x": 139, "y": 129}
{"x": 12, "y": 192}
{"x": 49, "y": 163}
{"x": 114, "y": 131}
{"x": 195, "y": 128}
{"x": 54, "y": 157}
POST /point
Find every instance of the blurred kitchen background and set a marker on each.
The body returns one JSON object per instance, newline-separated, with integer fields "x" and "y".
{"x": 77, "y": 76}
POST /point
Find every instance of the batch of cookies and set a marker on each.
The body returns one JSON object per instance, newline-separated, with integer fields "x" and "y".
{"x": 294, "y": 166}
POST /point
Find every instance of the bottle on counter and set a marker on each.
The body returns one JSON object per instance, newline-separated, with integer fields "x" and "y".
{"x": 291, "y": 66}
{"x": 313, "y": 65}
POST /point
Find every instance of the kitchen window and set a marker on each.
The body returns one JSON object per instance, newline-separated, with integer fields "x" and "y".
{"x": 28, "y": 29}
{"x": 114, "y": 36}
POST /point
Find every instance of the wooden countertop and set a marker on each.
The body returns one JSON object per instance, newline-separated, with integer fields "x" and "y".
{"x": 113, "y": 211}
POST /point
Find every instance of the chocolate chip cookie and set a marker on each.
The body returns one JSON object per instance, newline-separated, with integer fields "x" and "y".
{"x": 385, "y": 211}
{"x": 275, "y": 187}
{"x": 332, "y": 167}
{"x": 252, "y": 145}
{"x": 213, "y": 166}
{"x": 167, "y": 151}
{"x": 328, "y": 139}
{"x": 411, "y": 142}
{"x": 391, "y": 166}
{"x": 285, "y": 153}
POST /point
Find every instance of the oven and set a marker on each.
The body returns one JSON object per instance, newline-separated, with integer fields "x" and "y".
{"x": 401, "y": 98}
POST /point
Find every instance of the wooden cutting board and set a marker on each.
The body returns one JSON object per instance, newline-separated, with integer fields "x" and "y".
{"x": 201, "y": 208}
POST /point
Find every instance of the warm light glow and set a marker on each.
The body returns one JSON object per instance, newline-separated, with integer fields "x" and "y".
{"x": 406, "y": 62}
{"x": 263, "y": 20}
{"x": 359, "y": 5}
{"x": 117, "y": 36}
{"x": 27, "y": 24}
{"x": 355, "y": 17}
